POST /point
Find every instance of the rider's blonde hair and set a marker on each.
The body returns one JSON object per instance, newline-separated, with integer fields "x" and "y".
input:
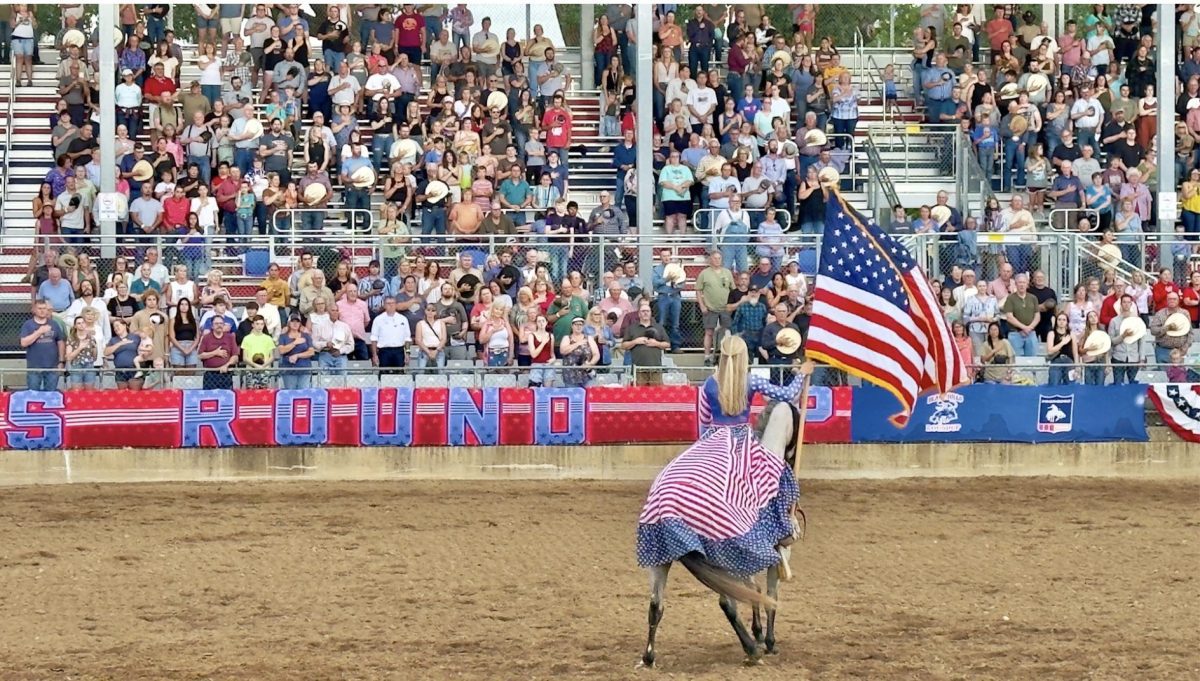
{"x": 731, "y": 375}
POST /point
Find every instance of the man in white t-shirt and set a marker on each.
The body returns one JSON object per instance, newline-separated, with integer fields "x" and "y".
{"x": 757, "y": 189}
{"x": 1087, "y": 113}
{"x": 679, "y": 86}
{"x": 701, "y": 103}
{"x": 1100, "y": 46}
{"x": 380, "y": 84}
{"x": 481, "y": 50}
{"x": 343, "y": 87}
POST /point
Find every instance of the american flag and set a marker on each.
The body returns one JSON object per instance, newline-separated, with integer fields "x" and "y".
{"x": 875, "y": 315}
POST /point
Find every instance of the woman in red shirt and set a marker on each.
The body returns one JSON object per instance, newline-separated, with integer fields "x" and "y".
{"x": 1166, "y": 285}
{"x": 1190, "y": 300}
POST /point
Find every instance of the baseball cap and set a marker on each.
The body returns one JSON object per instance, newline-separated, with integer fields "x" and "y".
{"x": 126, "y": 72}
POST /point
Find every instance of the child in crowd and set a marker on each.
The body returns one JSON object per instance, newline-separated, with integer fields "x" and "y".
{"x": 1178, "y": 372}
{"x": 245, "y": 208}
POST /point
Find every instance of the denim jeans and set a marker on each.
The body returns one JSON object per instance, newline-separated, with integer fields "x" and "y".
{"x": 296, "y": 379}
{"x": 669, "y": 308}
{"x": 1014, "y": 157}
{"x": 381, "y": 147}
{"x": 83, "y": 378}
{"x": 155, "y": 32}
{"x": 205, "y": 166}
{"x": 244, "y": 159}
{"x": 497, "y": 359}
{"x": 844, "y": 126}
{"x": 313, "y": 221}
{"x": 333, "y": 59}
{"x": 46, "y": 381}
{"x": 357, "y": 199}
{"x": 1024, "y": 346}
{"x": 433, "y": 221}
{"x": 701, "y": 56}
{"x": 245, "y": 223}
{"x": 1124, "y": 372}
{"x": 132, "y": 123}
{"x": 423, "y": 361}
{"x": 334, "y": 365}
{"x": 1060, "y": 371}
{"x": 211, "y": 92}
{"x": 1093, "y": 374}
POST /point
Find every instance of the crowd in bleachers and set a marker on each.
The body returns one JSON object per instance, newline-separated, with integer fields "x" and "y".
{"x": 463, "y": 133}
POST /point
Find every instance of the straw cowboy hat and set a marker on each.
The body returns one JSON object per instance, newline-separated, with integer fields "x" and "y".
{"x": 363, "y": 177}
{"x": 490, "y": 46}
{"x": 1109, "y": 255}
{"x": 789, "y": 149}
{"x": 73, "y": 37}
{"x": 406, "y": 148}
{"x": 815, "y": 138}
{"x": 142, "y": 171}
{"x": 497, "y": 100}
{"x": 1096, "y": 344}
{"x": 828, "y": 176}
{"x": 1177, "y": 324}
{"x": 68, "y": 261}
{"x": 1135, "y": 326}
{"x": 253, "y": 128}
{"x": 782, "y": 55}
{"x": 1019, "y": 124}
{"x": 940, "y": 214}
{"x": 673, "y": 272}
{"x": 787, "y": 341}
{"x": 314, "y": 193}
{"x": 436, "y": 191}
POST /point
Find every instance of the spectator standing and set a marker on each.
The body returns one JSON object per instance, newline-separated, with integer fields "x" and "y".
{"x": 1176, "y": 335}
{"x": 1062, "y": 351}
{"x": 1021, "y": 312}
{"x": 45, "y": 348}
{"x": 390, "y": 336}
{"x": 331, "y": 338}
{"x": 712, "y": 295}
{"x": 295, "y": 354}
{"x": 430, "y": 338}
{"x": 1126, "y": 348}
{"x": 645, "y": 340}
{"x": 218, "y": 354}
{"x": 258, "y": 354}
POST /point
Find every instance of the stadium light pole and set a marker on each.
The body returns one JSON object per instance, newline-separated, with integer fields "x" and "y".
{"x": 645, "y": 143}
{"x": 108, "y": 121}
{"x": 587, "y": 49}
{"x": 1166, "y": 133}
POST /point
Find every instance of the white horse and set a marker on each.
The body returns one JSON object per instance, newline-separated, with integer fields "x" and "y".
{"x": 776, "y": 430}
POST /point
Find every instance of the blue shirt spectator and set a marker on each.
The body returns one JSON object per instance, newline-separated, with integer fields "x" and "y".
{"x": 56, "y": 291}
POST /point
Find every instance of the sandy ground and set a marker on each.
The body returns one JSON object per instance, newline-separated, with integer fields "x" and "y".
{"x": 919, "y": 579}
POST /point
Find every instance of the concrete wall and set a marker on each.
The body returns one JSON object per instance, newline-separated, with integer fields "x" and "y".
{"x": 1164, "y": 456}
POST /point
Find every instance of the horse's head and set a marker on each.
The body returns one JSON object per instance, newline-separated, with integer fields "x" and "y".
{"x": 776, "y": 430}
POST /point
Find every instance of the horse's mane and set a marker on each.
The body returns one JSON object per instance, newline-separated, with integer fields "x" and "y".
{"x": 764, "y": 419}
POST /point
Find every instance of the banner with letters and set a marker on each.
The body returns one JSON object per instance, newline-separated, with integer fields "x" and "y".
{"x": 374, "y": 417}
{"x": 1007, "y": 413}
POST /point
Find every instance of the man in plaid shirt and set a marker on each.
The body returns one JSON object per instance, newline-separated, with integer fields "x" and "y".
{"x": 749, "y": 318}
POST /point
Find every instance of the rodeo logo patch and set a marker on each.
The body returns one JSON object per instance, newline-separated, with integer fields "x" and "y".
{"x": 1055, "y": 413}
{"x": 944, "y": 418}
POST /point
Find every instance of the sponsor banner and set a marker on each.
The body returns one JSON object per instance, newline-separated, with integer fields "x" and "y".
{"x": 373, "y": 417}
{"x": 1179, "y": 406}
{"x": 828, "y": 418}
{"x": 1006, "y": 413}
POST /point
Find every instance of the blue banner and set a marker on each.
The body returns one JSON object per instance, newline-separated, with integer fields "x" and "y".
{"x": 1006, "y": 413}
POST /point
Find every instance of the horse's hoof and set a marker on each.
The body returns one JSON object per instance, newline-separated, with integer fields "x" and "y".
{"x": 645, "y": 663}
{"x": 772, "y": 650}
{"x": 753, "y": 660}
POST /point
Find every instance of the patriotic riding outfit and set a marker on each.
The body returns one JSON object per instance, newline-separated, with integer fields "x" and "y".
{"x": 726, "y": 496}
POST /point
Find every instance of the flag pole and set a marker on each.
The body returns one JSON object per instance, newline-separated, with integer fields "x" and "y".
{"x": 806, "y": 369}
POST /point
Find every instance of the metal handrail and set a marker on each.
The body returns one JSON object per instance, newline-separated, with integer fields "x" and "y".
{"x": 877, "y": 176}
{"x": 876, "y": 83}
{"x": 8, "y": 139}
{"x": 974, "y": 183}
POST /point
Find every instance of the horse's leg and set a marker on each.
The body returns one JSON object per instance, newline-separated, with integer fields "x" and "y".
{"x": 753, "y": 655}
{"x": 773, "y": 592}
{"x": 756, "y": 626}
{"x": 658, "y": 587}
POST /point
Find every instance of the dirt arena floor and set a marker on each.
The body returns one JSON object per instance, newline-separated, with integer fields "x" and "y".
{"x": 993, "y": 578}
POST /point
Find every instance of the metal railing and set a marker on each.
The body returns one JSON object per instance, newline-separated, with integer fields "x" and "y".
{"x": 339, "y": 213}
{"x": 914, "y": 142}
{"x": 881, "y": 191}
{"x": 974, "y": 185}
{"x": 875, "y": 83}
{"x": 8, "y": 140}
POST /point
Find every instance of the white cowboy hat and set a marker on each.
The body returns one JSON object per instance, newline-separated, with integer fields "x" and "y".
{"x": 314, "y": 193}
{"x": 497, "y": 100}
{"x": 73, "y": 37}
{"x": 941, "y": 214}
{"x": 491, "y": 45}
{"x": 787, "y": 341}
{"x": 1135, "y": 326}
{"x": 815, "y": 138}
{"x": 363, "y": 177}
{"x": 406, "y": 148}
{"x": 782, "y": 55}
{"x": 1096, "y": 344}
{"x": 142, "y": 171}
{"x": 789, "y": 149}
{"x": 1177, "y": 324}
{"x": 436, "y": 191}
{"x": 253, "y": 128}
{"x": 828, "y": 176}
{"x": 674, "y": 272}
{"x": 1109, "y": 253}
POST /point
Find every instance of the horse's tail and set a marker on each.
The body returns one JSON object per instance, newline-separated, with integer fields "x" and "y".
{"x": 723, "y": 582}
